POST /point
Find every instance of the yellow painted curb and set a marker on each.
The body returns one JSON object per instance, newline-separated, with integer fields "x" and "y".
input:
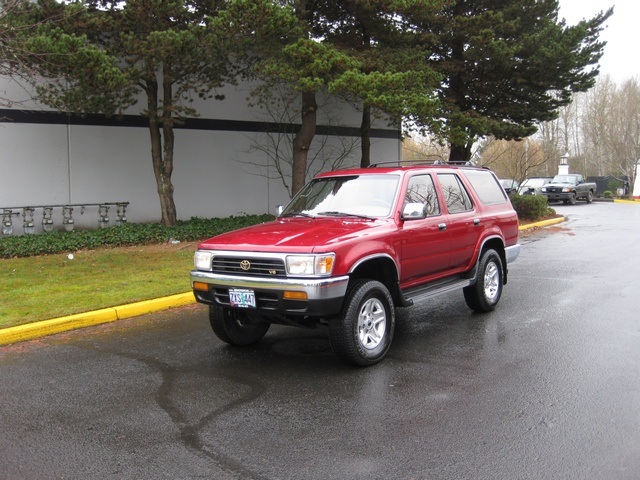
{"x": 617, "y": 200}
{"x": 87, "y": 319}
{"x": 542, "y": 223}
{"x": 148, "y": 306}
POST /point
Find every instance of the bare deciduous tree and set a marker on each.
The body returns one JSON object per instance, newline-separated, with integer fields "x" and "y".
{"x": 515, "y": 159}
{"x": 623, "y": 134}
{"x": 600, "y": 130}
{"x": 427, "y": 148}
{"x": 281, "y": 107}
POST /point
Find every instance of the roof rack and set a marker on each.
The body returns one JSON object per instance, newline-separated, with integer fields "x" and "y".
{"x": 407, "y": 163}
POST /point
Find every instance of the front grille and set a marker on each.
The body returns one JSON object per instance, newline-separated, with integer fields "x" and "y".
{"x": 262, "y": 267}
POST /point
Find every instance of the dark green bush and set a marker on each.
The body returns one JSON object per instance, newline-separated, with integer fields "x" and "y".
{"x": 608, "y": 194}
{"x": 129, "y": 234}
{"x": 614, "y": 184}
{"x": 531, "y": 207}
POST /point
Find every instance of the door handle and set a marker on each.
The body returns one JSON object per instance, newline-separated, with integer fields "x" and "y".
{"x": 476, "y": 221}
{"x": 442, "y": 226}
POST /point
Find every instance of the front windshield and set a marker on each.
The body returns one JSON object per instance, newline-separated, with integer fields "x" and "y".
{"x": 358, "y": 195}
{"x": 563, "y": 179}
{"x": 534, "y": 182}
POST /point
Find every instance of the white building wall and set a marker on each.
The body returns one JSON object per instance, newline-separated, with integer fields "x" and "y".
{"x": 214, "y": 171}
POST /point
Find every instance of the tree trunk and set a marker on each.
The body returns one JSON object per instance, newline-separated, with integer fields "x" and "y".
{"x": 162, "y": 155}
{"x": 460, "y": 153}
{"x": 302, "y": 141}
{"x": 167, "y": 204}
{"x": 365, "y": 137}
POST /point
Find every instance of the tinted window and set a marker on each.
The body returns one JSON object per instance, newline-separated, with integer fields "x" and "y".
{"x": 455, "y": 195}
{"x": 486, "y": 186}
{"x": 422, "y": 190}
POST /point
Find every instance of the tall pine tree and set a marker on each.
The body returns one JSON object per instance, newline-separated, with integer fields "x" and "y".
{"x": 99, "y": 56}
{"x": 392, "y": 76}
{"x": 506, "y": 64}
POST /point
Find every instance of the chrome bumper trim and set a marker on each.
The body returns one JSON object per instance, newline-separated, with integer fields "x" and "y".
{"x": 511, "y": 253}
{"x": 316, "y": 289}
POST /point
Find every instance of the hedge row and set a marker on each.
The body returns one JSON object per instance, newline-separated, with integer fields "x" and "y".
{"x": 129, "y": 234}
{"x": 529, "y": 207}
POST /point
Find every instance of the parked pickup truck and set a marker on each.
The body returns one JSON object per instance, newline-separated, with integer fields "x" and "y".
{"x": 355, "y": 244}
{"x": 569, "y": 188}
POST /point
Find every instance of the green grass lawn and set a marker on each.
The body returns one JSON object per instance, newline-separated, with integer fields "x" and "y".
{"x": 50, "y": 286}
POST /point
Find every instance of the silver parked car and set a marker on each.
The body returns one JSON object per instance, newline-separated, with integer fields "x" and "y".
{"x": 532, "y": 186}
{"x": 510, "y": 185}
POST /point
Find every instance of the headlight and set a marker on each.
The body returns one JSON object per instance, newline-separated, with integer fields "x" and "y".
{"x": 310, "y": 264}
{"x": 202, "y": 260}
{"x": 543, "y": 189}
{"x": 566, "y": 189}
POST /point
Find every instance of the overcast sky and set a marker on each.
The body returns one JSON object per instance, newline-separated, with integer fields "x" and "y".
{"x": 621, "y": 59}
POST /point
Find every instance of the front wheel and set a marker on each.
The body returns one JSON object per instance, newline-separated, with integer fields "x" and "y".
{"x": 236, "y": 327}
{"x": 362, "y": 335}
{"x": 483, "y": 296}
{"x": 589, "y": 196}
{"x": 572, "y": 199}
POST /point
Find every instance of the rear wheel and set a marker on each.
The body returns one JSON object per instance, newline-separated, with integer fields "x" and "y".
{"x": 236, "y": 327}
{"x": 362, "y": 335}
{"x": 483, "y": 296}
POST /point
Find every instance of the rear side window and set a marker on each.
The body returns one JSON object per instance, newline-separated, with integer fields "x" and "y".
{"x": 486, "y": 187}
{"x": 455, "y": 195}
{"x": 422, "y": 190}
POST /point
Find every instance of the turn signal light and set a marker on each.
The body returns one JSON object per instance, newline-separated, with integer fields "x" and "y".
{"x": 294, "y": 295}
{"x": 201, "y": 286}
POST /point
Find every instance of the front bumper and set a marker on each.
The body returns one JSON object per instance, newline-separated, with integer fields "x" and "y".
{"x": 323, "y": 296}
{"x": 558, "y": 195}
{"x": 512, "y": 252}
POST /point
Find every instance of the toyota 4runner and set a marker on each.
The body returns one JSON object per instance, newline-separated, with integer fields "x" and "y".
{"x": 355, "y": 244}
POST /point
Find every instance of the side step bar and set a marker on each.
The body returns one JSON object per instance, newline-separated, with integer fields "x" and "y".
{"x": 433, "y": 289}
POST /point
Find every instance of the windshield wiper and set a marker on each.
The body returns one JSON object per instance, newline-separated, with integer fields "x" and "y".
{"x": 344, "y": 214}
{"x": 296, "y": 214}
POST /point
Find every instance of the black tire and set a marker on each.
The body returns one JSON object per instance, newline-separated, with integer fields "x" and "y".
{"x": 572, "y": 199}
{"x": 589, "y": 196}
{"x": 236, "y": 327}
{"x": 362, "y": 334}
{"x": 484, "y": 295}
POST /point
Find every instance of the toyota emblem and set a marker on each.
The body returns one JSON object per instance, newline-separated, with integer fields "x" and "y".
{"x": 245, "y": 265}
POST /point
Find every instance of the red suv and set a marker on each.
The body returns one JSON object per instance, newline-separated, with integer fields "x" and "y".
{"x": 355, "y": 244}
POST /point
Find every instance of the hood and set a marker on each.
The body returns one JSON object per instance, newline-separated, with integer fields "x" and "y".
{"x": 293, "y": 235}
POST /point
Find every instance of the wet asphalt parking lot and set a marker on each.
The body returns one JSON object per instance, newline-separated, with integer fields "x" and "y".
{"x": 545, "y": 387}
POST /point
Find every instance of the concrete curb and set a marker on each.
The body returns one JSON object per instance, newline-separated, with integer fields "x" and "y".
{"x": 87, "y": 319}
{"x": 81, "y": 320}
{"x": 542, "y": 223}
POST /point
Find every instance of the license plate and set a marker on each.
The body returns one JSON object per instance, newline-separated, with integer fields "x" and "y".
{"x": 242, "y": 298}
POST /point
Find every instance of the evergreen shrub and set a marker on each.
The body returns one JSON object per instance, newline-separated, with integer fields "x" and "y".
{"x": 531, "y": 207}
{"x": 125, "y": 235}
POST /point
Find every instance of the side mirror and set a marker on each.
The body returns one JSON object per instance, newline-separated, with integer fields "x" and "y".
{"x": 414, "y": 211}
{"x": 279, "y": 210}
